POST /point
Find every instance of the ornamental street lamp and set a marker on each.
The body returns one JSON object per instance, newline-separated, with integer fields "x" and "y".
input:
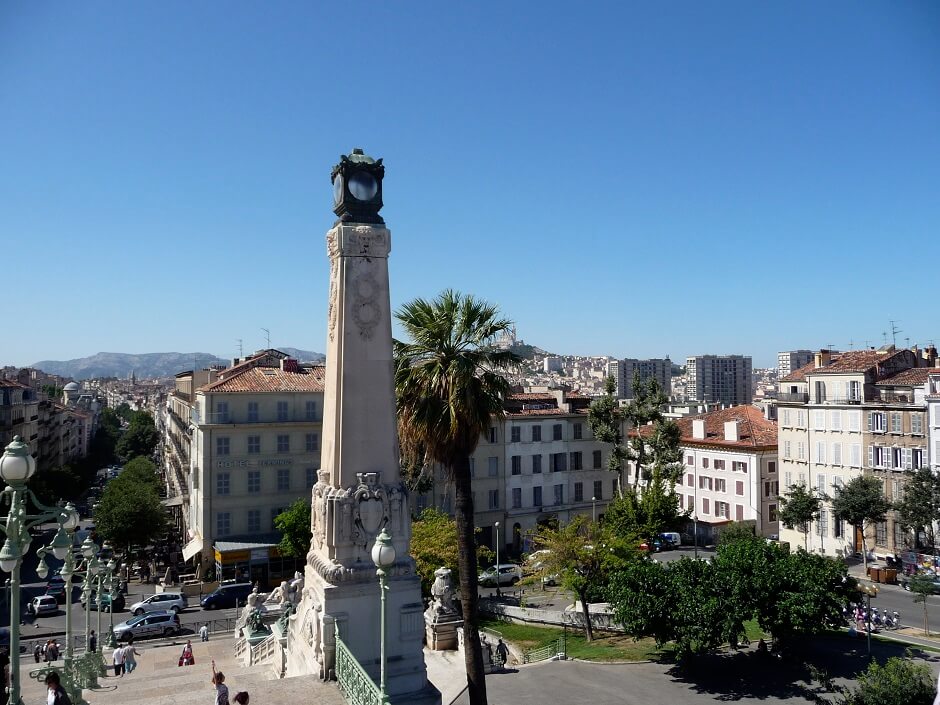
{"x": 497, "y": 560}
{"x": 16, "y": 467}
{"x": 869, "y": 591}
{"x": 383, "y": 555}
{"x": 594, "y": 509}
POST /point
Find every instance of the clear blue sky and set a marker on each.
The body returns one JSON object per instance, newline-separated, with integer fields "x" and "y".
{"x": 621, "y": 178}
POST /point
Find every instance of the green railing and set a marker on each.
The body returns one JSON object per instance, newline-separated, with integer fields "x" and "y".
{"x": 550, "y": 650}
{"x": 354, "y": 683}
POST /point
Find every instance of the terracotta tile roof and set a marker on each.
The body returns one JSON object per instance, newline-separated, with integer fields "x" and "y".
{"x": 754, "y": 432}
{"x": 269, "y": 379}
{"x": 11, "y": 384}
{"x": 857, "y": 361}
{"x": 799, "y": 375}
{"x": 914, "y": 377}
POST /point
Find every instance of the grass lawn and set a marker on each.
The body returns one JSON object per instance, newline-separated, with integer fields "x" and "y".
{"x": 605, "y": 647}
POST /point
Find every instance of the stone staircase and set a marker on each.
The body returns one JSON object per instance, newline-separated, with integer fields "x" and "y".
{"x": 158, "y": 680}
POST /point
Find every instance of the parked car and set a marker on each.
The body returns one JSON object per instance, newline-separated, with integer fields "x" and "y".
{"x": 106, "y": 602}
{"x": 161, "y": 601}
{"x": 535, "y": 564}
{"x": 503, "y": 574}
{"x": 56, "y": 590}
{"x": 227, "y": 595}
{"x": 934, "y": 582}
{"x": 43, "y": 604}
{"x": 671, "y": 539}
{"x": 150, "y": 624}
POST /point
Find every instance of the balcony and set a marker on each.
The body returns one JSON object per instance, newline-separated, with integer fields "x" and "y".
{"x": 838, "y": 400}
{"x": 218, "y": 419}
{"x": 888, "y": 397}
{"x": 793, "y": 397}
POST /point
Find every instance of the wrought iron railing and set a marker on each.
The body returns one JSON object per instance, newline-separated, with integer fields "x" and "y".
{"x": 550, "y": 650}
{"x": 354, "y": 683}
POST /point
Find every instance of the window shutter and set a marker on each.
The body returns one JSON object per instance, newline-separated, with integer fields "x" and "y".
{"x": 871, "y": 450}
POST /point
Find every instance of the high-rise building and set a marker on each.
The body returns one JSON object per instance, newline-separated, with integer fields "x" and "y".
{"x": 623, "y": 370}
{"x": 792, "y": 360}
{"x": 722, "y": 378}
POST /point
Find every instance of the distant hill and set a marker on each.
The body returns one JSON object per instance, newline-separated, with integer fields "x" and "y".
{"x": 146, "y": 365}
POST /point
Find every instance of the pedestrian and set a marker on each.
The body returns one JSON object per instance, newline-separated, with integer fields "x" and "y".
{"x": 130, "y": 662}
{"x": 37, "y": 652}
{"x": 204, "y": 632}
{"x": 117, "y": 658}
{"x": 221, "y": 690}
{"x": 502, "y": 653}
{"x": 187, "y": 658}
{"x": 92, "y": 641}
{"x": 241, "y": 697}
{"x": 57, "y": 694}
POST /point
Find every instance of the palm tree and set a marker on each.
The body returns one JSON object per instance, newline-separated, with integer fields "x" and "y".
{"x": 450, "y": 389}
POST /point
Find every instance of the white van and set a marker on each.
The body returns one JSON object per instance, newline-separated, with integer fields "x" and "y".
{"x": 672, "y": 538}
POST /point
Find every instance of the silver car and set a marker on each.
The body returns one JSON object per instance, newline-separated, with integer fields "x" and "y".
{"x": 151, "y": 624}
{"x": 175, "y": 601}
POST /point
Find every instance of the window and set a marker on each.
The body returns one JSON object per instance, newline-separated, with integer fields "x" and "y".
{"x": 536, "y": 464}
{"x": 576, "y": 460}
{"x": 282, "y": 411}
{"x": 559, "y": 494}
{"x": 881, "y": 533}
{"x": 312, "y": 442}
{"x": 254, "y": 480}
{"x": 681, "y": 501}
{"x": 719, "y": 464}
{"x": 536, "y": 496}
{"x": 223, "y": 483}
{"x": 721, "y": 509}
{"x": 223, "y": 524}
{"x": 310, "y": 477}
{"x": 579, "y": 492}
{"x": 689, "y": 460}
{"x": 787, "y": 480}
{"x": 283, "y": 479}
{"x": 254, "y": 445}
{"x": 917, "y": 424}
{"x": 598, "y": 490}
{"x": 690, "y": 479}
{"x": 252, "y": 412}
{"x": 739, "y": 512}
{"x": 704, "y": 462}
{"x": 835, "y": 420}
{"x": 801, "y": 419}
{"x": 822, "y": 523}
{"x": 556, "y": 432}
{"x": 772, "y": 512}
{"x": 516, "y": 497}
{"x": 283, "y": 443}
{"x": 898, "y": 535}
{"x": 516, "y": 464}
{"x": 254, "y": 521}
{"x": 598, "y": 461}
{"x": 876, "y": 421}
{"x": 310, "y": 411}
{"x": 536, "y": 434}
{"x": 559, "y": 462}
{"x": 221, "y": 411}
{"x": 855, "y": 420}
{"x": 771, "y": 467}
{"x": 719, "y": 485}
{"x": 785, "y": 417}
{"x": 515, "y": 434}
{"x": 819, "y": 420}
{"x": 771, "y": 488}
{"x": 855, "y": 393}
{"x": 739, "y": 488}
{"x": 493, "y": 496}
{"x": 820, "y": 452}
{"x": 786, "y": 450}
{"x": 704, "y": 505}
{"x": 896, "y": 426}
{"x": 613, "y": 487}
{"x": 690, "y": 502}
{"x": 800, "y": 450}
{"x": 222, "y": 445}
{"x": 704, "y": 483}
{"x": 492, "y": 466}
{"x": 492, "y": 436}
{"x": 577, "y": 431}
{"x": 838, "y": 527}
{"x": 917, "y": 459}
{"x": 855, "y": 455}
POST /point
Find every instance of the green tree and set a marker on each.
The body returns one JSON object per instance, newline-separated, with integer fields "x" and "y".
{"x": 861, "y": 503}
{"x": 450, "y": 390}
{"x": 643, "y": 409}
{"x": 735, "y": 531}
{"x": 140, "y": 470}
{"x": 606, "y": 422}
{"x": 54, "y": 484}
{"x": 140, "y": 438}
{"x": 799, "y": 507}
{"x": 922, "y": 587}
{"x": 130, "y": 514}
{"x": 899, "y": 682}
{"x": 582, "y": 553}
{"x": 434, "y": 544}
{"x": 294, "y": 525}
{"x": 647, "y": 512}
{"x": 919, "y": 507}
{"x": 123, "y": 411}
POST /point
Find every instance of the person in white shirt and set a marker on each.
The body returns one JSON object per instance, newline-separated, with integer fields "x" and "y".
{"x": 204, "y": 632}
{"x": 117, "y": 658}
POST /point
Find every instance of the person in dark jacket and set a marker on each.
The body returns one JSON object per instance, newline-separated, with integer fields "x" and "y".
{"x": 57, "y": 694}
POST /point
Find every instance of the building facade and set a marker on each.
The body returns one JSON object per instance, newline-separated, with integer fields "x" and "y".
{"x": 792, "y": 360}
{"x": 623, "y": 371}
{"x": 720, "y": 378}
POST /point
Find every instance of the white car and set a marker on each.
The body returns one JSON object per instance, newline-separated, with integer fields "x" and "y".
{"x": 503, "y": 574}
{"x": 169, "y": 601}
{"x": 44, "y": 604}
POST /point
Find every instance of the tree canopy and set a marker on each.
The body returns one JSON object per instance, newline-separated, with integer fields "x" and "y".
{"x": 861, "y": 502}
{"x": 899, "y": 681}
{"x": 645, "y": 513}
{"x": 799, "y": 507}
{"x": 605, "y": 420}
{"x": 919, "y": 507}
{"x": 294, "y": 525}
{"x": 140, "y": 438}
{"x": 130, "y": 513}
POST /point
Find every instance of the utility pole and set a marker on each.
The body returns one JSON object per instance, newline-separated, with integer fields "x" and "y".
{"x": 894, "y": 332}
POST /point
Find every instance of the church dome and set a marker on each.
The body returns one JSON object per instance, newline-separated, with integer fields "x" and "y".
{"x": 71, "y": 387}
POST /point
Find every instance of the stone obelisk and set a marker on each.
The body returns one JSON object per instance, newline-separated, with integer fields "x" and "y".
{"x": 359, "y": 490}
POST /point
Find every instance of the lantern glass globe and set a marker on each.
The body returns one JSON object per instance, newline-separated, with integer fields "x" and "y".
{"x": 16, "y": 464}
{"x": 383, "y": 552}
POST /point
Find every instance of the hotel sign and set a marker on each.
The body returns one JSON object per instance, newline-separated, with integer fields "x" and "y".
{"x": 252, "y": 463}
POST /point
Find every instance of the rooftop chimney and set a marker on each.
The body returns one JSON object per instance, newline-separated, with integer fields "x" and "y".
{"x": 733, "y": 430}
{"x": 698, "y": 428}
{"x": 823, "y": 358}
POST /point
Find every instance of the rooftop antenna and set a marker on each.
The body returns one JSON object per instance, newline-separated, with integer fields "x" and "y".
{"x": 241, "y": 348}
{"x": 907, "y": 342}
{"x": 851, "y": 345}
{"x": 267, "y": 337}
{"x": 867, "y": 344}
{"x": 894, "y": 332}
{"x": 884, "y": 337}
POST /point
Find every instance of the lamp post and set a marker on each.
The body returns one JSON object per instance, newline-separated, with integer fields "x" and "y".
{"x": 498, "y": 593}
{"x": 383, "y": 555}
{"x": 16, "y": 467}
{"x": 594, "y": 509}
{"x": 869, "y": 591}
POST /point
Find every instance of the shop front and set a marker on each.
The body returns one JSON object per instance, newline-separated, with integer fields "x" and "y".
{"x": 259, "y": 563}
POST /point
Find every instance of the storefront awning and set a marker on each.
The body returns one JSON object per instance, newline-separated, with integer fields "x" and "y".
{"x": 172, "y": 502}
{"x": 192, "y": 548}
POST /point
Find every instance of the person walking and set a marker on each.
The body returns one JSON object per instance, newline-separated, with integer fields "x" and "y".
{"x": 117, "y": 658}
{"x": 57, "y": 694}
{"x": 502, "y": 653}
{"x": 130, "y": 654}
{"x": 37, "y": 652}
{"x": 204, "y": 632}
{"x": 221, "y": 690}
{"x": 92, "y": 641}
{"x": 187, "y": 658}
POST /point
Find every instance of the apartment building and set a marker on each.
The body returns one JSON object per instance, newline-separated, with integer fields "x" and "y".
{"x": 19, "y": 413}
{"x": 720, "y": 378}
{"x": 623, "y": 371}
{"x": 792, "y": 360}
{"x": 254, "y": 447}
{"x": 933, "y": 416}
{"x": 541, "y": 463}
{"x": 831, "y": 414}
